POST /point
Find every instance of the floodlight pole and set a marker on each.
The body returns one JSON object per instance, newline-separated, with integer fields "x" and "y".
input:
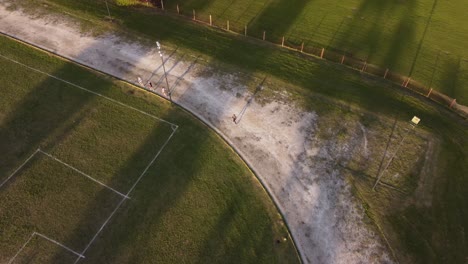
{"x": 414, "y": 123}
{"x": 164, "y": 69}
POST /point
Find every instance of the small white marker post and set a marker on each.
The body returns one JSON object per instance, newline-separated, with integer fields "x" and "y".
{"x": 108, "y": 12}
{"x": 429, "y": 93}
{"x": 385, "y": 74}
{"x": 414, "y": 122}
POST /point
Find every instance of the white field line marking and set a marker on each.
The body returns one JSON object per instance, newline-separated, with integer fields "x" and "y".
{"x": 84, "y": 174}
{"x": 60, "y": 244}
{"x": 48, "y": 239}
{"x": 19, "y": 168}
{"x": 21, "y": 249}
{"x": 152, "y": 161}
{"x": 87, "y": 90}
{"x": 129, "y": 191}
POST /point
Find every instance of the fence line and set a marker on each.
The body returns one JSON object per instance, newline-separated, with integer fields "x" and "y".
{"x": 336, "y": 56}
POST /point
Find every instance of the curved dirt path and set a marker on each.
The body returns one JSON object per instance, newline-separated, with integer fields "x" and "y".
{"x": 277, "y": 139}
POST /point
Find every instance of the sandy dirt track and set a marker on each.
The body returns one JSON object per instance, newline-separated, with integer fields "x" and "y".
{"x": 277, "y": 139}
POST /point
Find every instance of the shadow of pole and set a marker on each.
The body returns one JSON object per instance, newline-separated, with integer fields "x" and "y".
{"x": 421, "y": 41}
{"x": 239, "y": 116}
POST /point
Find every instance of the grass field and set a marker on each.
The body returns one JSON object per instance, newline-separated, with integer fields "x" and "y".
{"x": 433, "y": 233}
{"x": 79, "y": 155}
{"x": 423, "y": 39}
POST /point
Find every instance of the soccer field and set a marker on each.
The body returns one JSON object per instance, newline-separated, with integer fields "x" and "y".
{"x": 94, "y": 171}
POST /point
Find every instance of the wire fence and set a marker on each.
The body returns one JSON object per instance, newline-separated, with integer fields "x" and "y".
{"x": 427, "y": 60}
{"x": 329, "y": 54}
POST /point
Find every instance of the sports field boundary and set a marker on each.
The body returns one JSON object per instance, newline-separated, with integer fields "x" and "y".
{"x": 203, "y": 120}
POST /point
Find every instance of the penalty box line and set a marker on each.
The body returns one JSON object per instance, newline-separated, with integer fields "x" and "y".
{"x": 68, "y": 166}
{"x": 84, "y": 174}
{"x": 80, "y": 256}
{"x": 128, "y": 193}
{"x": 173, "y": 126}
{"x": 19, "y": 168}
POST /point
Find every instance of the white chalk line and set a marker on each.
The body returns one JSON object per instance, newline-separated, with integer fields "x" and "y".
{"x": 128, "y": 193}
{"x": 80, "y": 256}
{"x": 65, "y": 164}
{"x": 84, "y": 174}
{"x": 19, "y": 168}
{"x": 87, "y": 90}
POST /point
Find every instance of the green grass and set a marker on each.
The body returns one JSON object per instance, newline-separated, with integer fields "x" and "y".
{"x": 310, "y": 81}
{"x": 422, "y": 38}
{"x": 127, "y": 2}
{"x": 197, "y": 203}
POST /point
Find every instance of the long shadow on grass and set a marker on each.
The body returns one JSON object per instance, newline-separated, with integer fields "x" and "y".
{"x": 276, "y": 18}
{"x": 46, "y": 112}
{"x": 163, "y": 185}
{"x": 32, "y": 120}
{"x": 421, "y": 41}
{"x": 371, "y": 15}
{"x": 450, "y": 82}
{"x": 352, "y": 39}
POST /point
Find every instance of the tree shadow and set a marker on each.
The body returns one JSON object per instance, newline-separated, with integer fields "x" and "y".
{"x": 450, "y": 81}
{"x": 24, "y": 129}
{"x": 168, "y": 178}
{"x": 268, "y": 20}
{"x": 49, "y": 110}
{"x": 368, "y": 44}
{"x": 421, "y": 41}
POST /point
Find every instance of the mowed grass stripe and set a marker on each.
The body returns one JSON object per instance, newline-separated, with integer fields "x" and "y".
{"x": 197, "y": 203}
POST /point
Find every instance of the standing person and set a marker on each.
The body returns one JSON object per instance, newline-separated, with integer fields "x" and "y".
{"x": 234, "y": 118}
